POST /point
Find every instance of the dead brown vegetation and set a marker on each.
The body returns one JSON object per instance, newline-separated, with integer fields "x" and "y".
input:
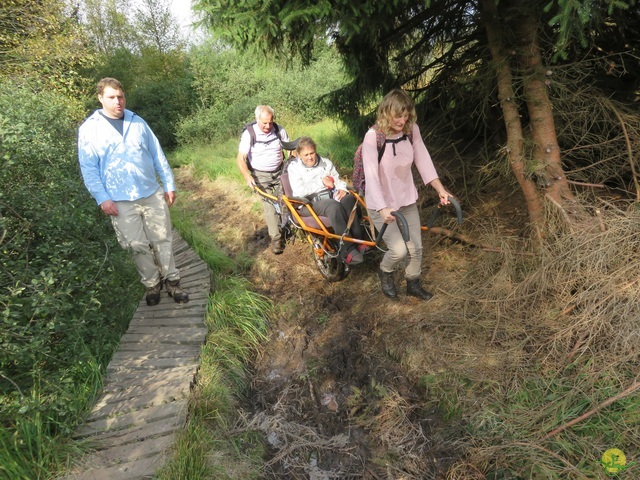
{"x": 503, "y": 371}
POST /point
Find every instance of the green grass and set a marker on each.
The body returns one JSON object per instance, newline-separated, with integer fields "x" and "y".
{"x": 211, "y": 161}
{"x": 37, "y": 442}
{"x": 237, "y": 319}
{"x": 219, "y": 160}
{"x": 333, "y": 142}
{"x": 237, "y": 322}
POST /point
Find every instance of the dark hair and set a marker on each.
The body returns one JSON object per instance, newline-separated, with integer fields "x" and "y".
{"x": 305, "y": 142}
{"x": 109, "y": 82}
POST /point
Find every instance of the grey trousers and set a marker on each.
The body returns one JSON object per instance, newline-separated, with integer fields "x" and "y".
{"x": 144, "y": 228}
{"x": 270, "y": 183}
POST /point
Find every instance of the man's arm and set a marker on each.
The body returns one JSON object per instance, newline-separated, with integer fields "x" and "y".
{"x": 89, "y": 162}
{"x": 241, "y": 160}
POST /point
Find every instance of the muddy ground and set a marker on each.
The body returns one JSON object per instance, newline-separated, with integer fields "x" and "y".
{"x": 341, "y": 389}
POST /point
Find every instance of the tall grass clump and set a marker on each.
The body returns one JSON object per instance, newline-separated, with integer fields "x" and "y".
{"x": 237, "y": 321}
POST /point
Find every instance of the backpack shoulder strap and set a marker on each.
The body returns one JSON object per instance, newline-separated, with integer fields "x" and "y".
{"x": 381, "y": 143}
{"x": 252, "y": 133}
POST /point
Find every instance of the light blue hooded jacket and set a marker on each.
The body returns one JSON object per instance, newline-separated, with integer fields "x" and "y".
{"x": 121, "y": 167}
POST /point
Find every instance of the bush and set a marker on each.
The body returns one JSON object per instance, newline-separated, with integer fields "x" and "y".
{"x": 62, "y": 274}
{"x": 229, "y": 85}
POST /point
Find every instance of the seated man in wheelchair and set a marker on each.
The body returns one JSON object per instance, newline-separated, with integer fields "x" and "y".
{"x": 317, "y": 179}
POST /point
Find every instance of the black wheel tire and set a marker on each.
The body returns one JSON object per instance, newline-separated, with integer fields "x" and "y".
{"x": 332, "y": 269}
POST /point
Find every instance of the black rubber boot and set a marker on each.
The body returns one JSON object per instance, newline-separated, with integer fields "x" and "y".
{"x": 415, "y": 290}
{"x": 387, "y": 285}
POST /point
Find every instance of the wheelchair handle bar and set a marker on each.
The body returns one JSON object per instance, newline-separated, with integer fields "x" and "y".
{"x": 435, "y": 214}
{"x": 402, "y": 225}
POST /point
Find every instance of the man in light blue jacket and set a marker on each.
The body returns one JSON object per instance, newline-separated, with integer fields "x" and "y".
{"x": 121, "y": 161}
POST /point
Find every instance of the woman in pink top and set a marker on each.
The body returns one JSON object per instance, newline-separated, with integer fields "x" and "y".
{"x": 390, "y": 187}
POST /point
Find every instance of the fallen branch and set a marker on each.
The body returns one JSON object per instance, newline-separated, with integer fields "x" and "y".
{"x": 634, "y": 174}
{"x": 464, "y": 239}
{"x": 582, "y": 184}
{"x": 626, "y": 392}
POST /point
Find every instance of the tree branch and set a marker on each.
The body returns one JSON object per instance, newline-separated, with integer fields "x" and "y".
{"x": 626, "y": 392}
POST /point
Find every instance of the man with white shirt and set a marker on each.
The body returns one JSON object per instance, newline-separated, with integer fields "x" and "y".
{"x": 260, "y": 157}
{"x": 121, "y": 160}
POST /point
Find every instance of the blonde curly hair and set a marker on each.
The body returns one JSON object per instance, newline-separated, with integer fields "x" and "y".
{"x": 394, "y": 104}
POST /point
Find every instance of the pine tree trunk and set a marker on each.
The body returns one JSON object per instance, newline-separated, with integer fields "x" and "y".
{"x": 511, "y": 114}
{"x": 546, "y": 152}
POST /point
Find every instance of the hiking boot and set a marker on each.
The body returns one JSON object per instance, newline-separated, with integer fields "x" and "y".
{"x": 415, "y": 290}
{"x": 387, "y": 285}
{"x": 276, "y": 246}
{"x": 153, "y": 294}
{"x": 174, "y": 290}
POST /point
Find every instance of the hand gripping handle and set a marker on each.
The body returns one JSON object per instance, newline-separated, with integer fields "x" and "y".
{"x": 435, "y": 214}
{"x": 402, "y": 225}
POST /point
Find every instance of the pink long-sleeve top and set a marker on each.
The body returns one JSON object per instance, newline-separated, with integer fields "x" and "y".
{"x": 390, "y": 183}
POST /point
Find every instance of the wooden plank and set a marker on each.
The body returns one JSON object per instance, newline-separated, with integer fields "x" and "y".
{"x": 198, "y": 302}
{"x": 119, "y": 374}
{"x": 193, "y": 319}
{"x": 187, "y": 257}
{"x": 140, "y": 417}
{"x": 171, "y": 328}
{"x": 139, "y": 469}
{"x": 144, "y": 352}
{"x": 128, "y": 402}
{"x": 160, "y": 363}
{"x": 160, "y": 382}
{"x": 136, "y": 433}
{"x": 132, "y": 452}
{"x": 178, "y": 336}
{"x": 163, "y": 387}
{"x": 194, "y": 269}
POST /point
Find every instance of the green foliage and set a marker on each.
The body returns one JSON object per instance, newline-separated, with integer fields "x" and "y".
{"x": 65, "y": 285}
{"x": 230, "y": 84}
{"x": 143, "y": 49}
{"x": 40, "y": 39}
{"x": 157, "y": 86}
{"x": 575, "y": 20}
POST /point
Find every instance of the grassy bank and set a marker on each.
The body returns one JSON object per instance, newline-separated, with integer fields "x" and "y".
{"x": 237, "y": 319}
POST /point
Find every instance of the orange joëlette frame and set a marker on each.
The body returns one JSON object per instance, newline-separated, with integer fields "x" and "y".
{"x": 293, "y": 202}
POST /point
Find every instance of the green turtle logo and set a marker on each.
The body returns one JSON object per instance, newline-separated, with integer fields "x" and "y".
{"x": 614, "y": 461}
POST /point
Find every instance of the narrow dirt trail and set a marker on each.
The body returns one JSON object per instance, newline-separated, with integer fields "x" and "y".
{"x": 337, "y": 387}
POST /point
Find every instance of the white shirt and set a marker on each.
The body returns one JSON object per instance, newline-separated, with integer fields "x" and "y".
{"x": 307, "y": 180}
{"x": 266, "y": 154}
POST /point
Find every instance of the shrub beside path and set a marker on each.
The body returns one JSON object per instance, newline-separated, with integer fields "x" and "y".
{"x": 144, "y": 400}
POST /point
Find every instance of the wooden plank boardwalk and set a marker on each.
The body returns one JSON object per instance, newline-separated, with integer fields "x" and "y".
{"x": 144, "y": 400}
